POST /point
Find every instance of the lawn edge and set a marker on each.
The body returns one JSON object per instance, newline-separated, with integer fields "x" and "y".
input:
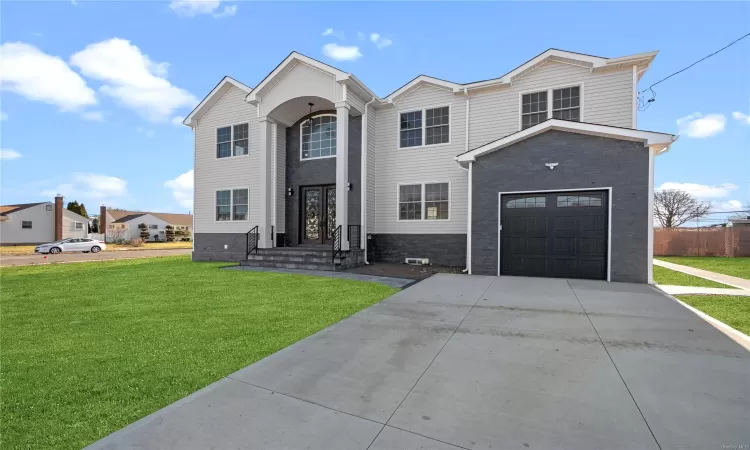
{"x": 734, "y": 334}
{"x": 676, "y": 269}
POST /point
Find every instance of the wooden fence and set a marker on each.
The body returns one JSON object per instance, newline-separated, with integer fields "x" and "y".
{"x": 730, "y": 241}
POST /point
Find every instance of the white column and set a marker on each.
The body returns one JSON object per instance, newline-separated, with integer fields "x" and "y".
{"x": 342, "y": 172}
{"x": 266, "y": 186}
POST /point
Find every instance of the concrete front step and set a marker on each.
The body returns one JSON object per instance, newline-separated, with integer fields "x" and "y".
{"x": 294, "y": 257}
{"x": 291, "y": 265}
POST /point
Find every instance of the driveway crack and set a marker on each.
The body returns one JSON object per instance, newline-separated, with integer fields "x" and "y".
{"x": 430, "y": 365}
{"x": 614, "y": 365}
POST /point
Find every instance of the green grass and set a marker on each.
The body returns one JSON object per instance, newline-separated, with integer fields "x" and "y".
{"x": 733, "y": 310}
{"x": 736, "y": 267}
{"x": 666, "y": 276}
{"x": 88, "y": 348}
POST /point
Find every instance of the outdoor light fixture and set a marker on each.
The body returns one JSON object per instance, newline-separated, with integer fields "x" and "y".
{"x": 290, "y": 192}
{"x": 309, "y": 119}
{"x": 348, "y": 186}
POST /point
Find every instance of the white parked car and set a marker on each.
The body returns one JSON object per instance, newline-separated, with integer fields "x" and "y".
{"x": 84, "y": 245}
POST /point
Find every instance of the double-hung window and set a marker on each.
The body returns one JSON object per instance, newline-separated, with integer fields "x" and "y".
{"x": 232, "y": 141}
{"x": 565, "y": 105}
{"x": 429, "y": 201}
{"x": 424, "y": 127}
{"x": 232, "y": 204}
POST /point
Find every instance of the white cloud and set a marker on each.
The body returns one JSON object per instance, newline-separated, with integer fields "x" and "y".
{"x": 341, "y": 52}
{"x": 331, "y": 32}
{"x": 3, "y": 116}
{"x": 379, "y": 41}
{"x": 8, "y": 154}
{"x": 697, "y": 125}
{"x": 731, "y": 205}
{"x": 132, "y": 78}
{"x": 95, "y": 116}
{"x": 741, "y": 117}
{"x": 146, "y": 132}
{"x": 228, "y": 11}
{"x": 700, "y": 190}
{"x": 190, "y": 8}
{"x": 177, "y": 120}
{"x": 91, "y": 187}
{"x": 182, "y": 189}
{"x": 30, "y": 72}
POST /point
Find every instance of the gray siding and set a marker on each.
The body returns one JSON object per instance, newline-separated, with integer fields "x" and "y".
{"x": 607, "y": 99}
{"x": 428, "y": 164}
{"x": 317, "y": 172}
{"x": 441, "y": 249}
{"x": 210, "y": 246}
{"x": 585, "y": 162}
{"x": 212, "y": 173}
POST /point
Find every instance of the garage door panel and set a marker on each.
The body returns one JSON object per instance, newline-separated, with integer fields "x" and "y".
{"x": 563, "y": 235}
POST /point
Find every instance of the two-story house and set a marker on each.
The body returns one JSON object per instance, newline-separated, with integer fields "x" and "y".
{"x": 539, "y": 172}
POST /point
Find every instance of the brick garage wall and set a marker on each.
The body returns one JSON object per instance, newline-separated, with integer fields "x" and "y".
{"x": 733, "y": 241}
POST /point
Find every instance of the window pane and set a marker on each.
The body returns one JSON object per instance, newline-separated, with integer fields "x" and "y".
{"x": 535, "y": 111}
{"x": 222, "y": 213}
{"x": 527, "y": 202}
{"x": 222, "y": 198}
{"x": 240, "y": 196}
{"x": 436, "y": 210}
{"x": 240, "y": 147}
{"x": 240, "y": 131}
{"x": 25, "y": 224}
{"x": 223, "y": 150}
{"x": 223, "y": 134}
{"x": 567, "y": 201}
{"x": 320, "y": 139}
{"x": 240, "y": 212}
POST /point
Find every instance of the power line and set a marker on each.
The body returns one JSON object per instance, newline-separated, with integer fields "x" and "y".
{"x": 644, "y": 104}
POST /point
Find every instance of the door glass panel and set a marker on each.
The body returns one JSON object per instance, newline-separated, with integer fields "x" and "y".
{"x": 312, "y": 214}
{"x": 527, "y": 202}
{"x": 330, "y": 212}
{"x": 567, "y": 201}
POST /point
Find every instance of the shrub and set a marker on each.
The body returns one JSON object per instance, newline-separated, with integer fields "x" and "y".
{"x": 136, "y": 242}
{"x": 170, "y": 233}
{"x": 144, "y": 231}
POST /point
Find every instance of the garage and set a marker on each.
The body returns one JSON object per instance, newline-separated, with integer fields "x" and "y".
{"x": 554, "y": 234}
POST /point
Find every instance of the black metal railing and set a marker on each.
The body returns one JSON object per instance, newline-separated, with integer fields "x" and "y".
{"x": 336, "y": 244}
{"x": 251, "y": 240}
{"x": 355, "y": 236}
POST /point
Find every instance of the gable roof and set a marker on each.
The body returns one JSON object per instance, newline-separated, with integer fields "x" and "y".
{"x": 120, "y": 216}
{"x": 10, "y": 209}
{"x": 75, "y": 215}
{"x": 293, "y": 59}
{"x": 211, "y": 98}
{"x": 594, "y": 63}
{"x": 659, "y": 142}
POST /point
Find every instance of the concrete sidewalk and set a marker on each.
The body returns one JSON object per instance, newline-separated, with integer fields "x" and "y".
{"x": 739, "y": 283}
{"x": 697, "y": 290}
{"x": 473, "y": 362}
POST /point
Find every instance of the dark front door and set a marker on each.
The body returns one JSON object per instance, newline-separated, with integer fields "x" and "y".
{"x": 318, "y": 214}
{"x": 560, "y": 234}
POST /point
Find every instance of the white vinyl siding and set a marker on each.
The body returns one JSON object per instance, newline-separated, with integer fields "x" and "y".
{"x": 212, "y": 174}
{"x": 395, "y": 166}
{"x": 607, "y": 99}
{"x": 300, "y": 81}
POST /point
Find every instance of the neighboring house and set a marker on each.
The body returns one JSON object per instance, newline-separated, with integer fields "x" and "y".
{"x": 740, "y": 223}
{"x": 124, "y": 224}
{"x": 539, "y": 172}
{"x": 37, "y": 223}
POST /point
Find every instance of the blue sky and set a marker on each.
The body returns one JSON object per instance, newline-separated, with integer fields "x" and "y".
{"x": 91, "y": 90}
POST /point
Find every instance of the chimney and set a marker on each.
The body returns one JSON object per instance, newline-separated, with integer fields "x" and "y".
{"x": 103, "y": 221}
{"x": 58, "y": 217}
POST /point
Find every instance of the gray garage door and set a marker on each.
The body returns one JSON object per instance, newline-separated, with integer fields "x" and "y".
{"x": 558, "y": 234}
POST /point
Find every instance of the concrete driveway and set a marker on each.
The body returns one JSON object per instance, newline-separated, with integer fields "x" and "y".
{"x": 475, "y": 362}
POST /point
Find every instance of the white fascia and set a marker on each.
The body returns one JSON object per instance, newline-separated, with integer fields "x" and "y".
{"x": 658, "y": 142}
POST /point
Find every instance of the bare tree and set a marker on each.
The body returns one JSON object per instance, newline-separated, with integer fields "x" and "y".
{"x": 673, "y": 207}
{"x": 743, "y": 214}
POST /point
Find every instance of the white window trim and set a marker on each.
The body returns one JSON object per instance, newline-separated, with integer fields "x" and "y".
{"x": 550, "y": 97}
{"x": 75, "y": 226}
{"x": 423, "y": 201}
{"x": 231, "y": 141}
{"x": 302, "y": 124}
{"x": 231, "y": 204}
{"x": 424, "y": 127}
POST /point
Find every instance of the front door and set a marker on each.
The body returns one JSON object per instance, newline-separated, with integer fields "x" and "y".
{"x": 318, "y": 214}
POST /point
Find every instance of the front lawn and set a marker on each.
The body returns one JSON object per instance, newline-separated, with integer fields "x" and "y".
{"x": 88, "y": 348}
{"x": 736, "y": 267}
{"x": 733, "y": 310}
{"x": 672, "y": 277}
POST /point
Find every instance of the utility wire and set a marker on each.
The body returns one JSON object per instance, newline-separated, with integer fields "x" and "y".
{"x": 644, "y": 104}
